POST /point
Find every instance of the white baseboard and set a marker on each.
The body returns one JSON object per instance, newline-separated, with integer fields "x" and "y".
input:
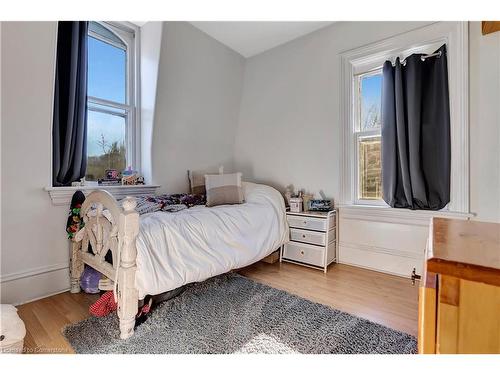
{"x": 32, "y": 272}
{"x": 382, "y": 261}
{"x": 27, "y": 286}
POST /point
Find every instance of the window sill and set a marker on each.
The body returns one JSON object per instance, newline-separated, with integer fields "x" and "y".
{"x": 396, "y": 215}
{"x": 61, "y": 196}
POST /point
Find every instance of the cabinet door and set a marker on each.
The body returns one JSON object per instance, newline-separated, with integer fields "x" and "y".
{"x": 468, "y": 317}
{"x": 427, "y": 313}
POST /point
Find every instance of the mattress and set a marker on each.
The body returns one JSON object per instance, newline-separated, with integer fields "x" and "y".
{"x": 174, "y": 249}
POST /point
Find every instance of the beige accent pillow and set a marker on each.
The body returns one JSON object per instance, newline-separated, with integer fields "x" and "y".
{"x": 223, "y": 189}
{"x": 197, "y": 180}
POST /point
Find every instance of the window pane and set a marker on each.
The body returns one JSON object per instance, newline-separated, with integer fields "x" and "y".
{"x": 97, "y": 28}
{"x": 106, "y": 71}
{"x": 370, "y": 177}
{"x": 105, "y": 144}
{"x": 370, "y": 101}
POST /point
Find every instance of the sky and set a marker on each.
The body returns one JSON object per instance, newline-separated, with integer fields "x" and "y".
{"x": 106, "y": 80}
{"x": 371, "y": 91}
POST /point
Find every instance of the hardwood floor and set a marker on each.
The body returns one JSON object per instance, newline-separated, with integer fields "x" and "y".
{"x": 385, "y": 299}
{"x": 389, "y": 300}
{"x": 45, "y": 318}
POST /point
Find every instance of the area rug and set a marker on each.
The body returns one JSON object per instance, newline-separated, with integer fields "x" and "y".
{"x": 233, "y": 314}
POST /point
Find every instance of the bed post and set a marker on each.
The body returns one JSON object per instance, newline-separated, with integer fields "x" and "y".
{"x": 127, "y": 293}
{"x": 76, "y": 266}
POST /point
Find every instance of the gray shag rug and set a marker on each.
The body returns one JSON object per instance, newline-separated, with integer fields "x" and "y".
{"x": 233, "y": 314}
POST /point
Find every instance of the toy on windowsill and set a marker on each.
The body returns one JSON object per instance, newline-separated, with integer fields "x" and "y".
{"x": 82, "y": 182}
{"x": 131, "y": 177}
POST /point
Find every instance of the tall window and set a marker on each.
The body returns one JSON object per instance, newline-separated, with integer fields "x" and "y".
{"x": 111, "y": 99}
{"x": 361, "y": 89}
{"x": 367, "y": 127}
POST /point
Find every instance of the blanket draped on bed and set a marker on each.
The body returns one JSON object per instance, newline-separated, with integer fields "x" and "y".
{"x": 145, "y": 204}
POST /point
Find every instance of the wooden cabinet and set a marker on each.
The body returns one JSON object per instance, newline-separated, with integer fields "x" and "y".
{"x": 459, "y": 297}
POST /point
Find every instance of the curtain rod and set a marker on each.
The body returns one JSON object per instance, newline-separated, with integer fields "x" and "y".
{"x": 437, "y": 54}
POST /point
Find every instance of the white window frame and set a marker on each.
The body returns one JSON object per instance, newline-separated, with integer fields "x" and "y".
{"x": 128, "y": 33}
{"x": 358, "y": 134}
{"x": 370, "y": 58}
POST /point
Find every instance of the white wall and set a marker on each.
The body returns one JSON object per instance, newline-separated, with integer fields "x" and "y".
{"x": 34, "y": 247}
{"x": 484, "y": 60}
{"x": 151, "y": 33}
{"x": 198, "y": 97}
{"x": 289, "y": 131}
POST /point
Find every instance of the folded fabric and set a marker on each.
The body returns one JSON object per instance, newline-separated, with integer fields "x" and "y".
{"x": 104, "y": 305}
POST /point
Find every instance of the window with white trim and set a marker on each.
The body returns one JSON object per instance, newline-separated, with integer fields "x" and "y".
{"x": 111, "y": 113}
{"x": 360, "y": 126}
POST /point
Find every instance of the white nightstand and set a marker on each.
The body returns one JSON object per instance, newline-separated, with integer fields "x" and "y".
{"x": 313, "y": 239}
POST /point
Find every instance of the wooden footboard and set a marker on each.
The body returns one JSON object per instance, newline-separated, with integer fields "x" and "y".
{"x": 109, "y": 227}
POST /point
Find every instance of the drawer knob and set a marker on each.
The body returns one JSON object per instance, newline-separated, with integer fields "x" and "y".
{"x": 305, "y": 222}
{"x": 301, "y": 252}
{"x": 303, "y": 236}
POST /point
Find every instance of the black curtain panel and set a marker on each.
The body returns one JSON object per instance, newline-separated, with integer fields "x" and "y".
{"x": 416, "y": 132}
{"x": 69, "y": 132}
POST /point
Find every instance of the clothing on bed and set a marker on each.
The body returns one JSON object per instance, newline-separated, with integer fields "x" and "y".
{"x": 168, "y": 202}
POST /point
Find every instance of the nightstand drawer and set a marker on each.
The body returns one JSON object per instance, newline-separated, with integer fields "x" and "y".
{"x": 307, "y": 236}
{"x": 305, "y": 222}
{"x": 304, "y": 253}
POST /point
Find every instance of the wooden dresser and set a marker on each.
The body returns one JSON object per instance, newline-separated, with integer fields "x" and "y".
{"x": 459, "y": 296}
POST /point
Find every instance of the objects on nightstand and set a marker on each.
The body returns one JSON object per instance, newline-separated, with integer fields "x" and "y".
{"x": 12, "y": 330}
{"x": 306, "y": 198}
{"x": 324, "y": 205}
{"x": 288, "y": 194}
{"x": 296, "y": 204}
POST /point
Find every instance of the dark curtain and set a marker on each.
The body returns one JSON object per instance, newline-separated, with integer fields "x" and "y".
{"x": 69, "y": 132}
{"x": 416, "y": 133}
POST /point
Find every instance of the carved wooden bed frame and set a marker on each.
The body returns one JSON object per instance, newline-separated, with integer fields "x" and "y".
{"x": 115, "y": 229}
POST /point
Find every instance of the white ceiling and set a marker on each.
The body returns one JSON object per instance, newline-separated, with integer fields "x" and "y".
{"x": 251, "y": 38}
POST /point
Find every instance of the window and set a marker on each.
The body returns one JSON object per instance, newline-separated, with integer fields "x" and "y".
{"x": 111, "y": 113}
{"x": 360, "y": 112}
{"x": 367, "y": 133}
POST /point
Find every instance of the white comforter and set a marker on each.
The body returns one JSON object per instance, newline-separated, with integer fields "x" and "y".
{"x": 192, "y": 245}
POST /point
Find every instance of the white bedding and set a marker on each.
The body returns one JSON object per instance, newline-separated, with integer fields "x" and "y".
{"x": 174, "y": 249}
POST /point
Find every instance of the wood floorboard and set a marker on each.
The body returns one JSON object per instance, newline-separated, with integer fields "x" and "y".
{"x": 389, "y": 300}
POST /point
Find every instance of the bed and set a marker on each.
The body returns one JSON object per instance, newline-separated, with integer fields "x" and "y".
{"x": 159, "y": 252}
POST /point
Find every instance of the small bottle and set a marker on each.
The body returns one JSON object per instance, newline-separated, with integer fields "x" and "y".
{"x": 288, "y": 195}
